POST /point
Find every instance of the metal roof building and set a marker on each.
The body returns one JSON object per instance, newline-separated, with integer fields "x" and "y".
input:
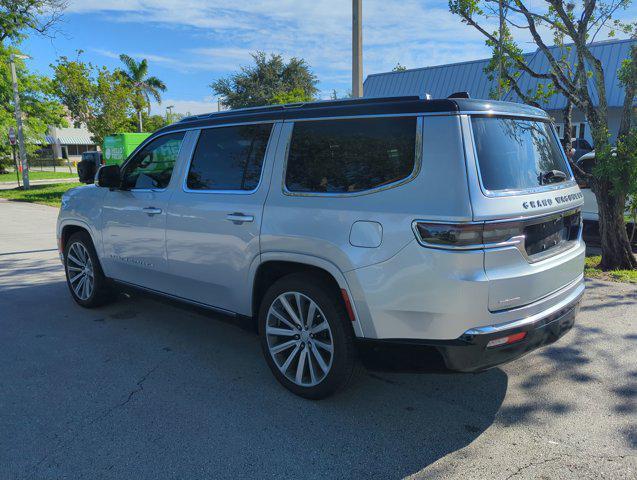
{"x": 443, "y": 80}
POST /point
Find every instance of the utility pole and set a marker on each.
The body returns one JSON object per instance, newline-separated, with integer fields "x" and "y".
{"x": 357, "y": 48}
{"x": 500, "y": 58}
{"x": 18, "y": 119}
{"x": 169, "y": 113}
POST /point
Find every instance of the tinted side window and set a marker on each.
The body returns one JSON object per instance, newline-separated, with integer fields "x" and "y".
{"x": 153, "y": 165}
{"x": 336, "y": 156}
{"x": 229, "y": 158}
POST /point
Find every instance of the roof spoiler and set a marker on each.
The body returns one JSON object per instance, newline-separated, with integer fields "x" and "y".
{"x": 459, "y": 95}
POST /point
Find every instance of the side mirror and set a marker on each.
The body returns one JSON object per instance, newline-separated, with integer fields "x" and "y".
{"x": 109, "y": 176}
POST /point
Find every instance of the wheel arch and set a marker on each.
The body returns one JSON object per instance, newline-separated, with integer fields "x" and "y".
{"x": 69, "y": 228}
{"x": 274, "y": 266}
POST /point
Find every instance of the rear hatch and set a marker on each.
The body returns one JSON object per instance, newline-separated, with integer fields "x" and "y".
{"x": 523, "y": 189}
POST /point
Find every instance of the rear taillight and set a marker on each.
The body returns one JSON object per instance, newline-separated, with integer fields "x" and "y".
{"x": 466, "y": 235}
{"x": 450, "y": 235}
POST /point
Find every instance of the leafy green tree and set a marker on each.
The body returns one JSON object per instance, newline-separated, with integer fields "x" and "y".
{"x": 268, "y": 81}
{"x": 111, "y": 105}
{"x": 39, "y": 106}
{"x": 296, "y": 95}
{"x": 96, "y": 97}
{"x": 583, "y": 84}
{"x": 17, "y": 17}
{"x": 143, "y": 86}
{"x": 151, "y": 122}
{"x": 74, "y": 87}
{"x": 399, "y": 68}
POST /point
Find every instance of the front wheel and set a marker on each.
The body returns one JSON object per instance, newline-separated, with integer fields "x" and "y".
{"x": 84, "y": 276}
{"x": 304, "y": 336}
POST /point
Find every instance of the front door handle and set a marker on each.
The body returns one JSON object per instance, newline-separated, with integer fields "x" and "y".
{"x": 239, "y": 217}
{"x": 150, "y": 211}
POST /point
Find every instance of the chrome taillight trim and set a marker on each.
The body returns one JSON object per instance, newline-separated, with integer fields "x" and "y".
{"x": 517, "y": 241}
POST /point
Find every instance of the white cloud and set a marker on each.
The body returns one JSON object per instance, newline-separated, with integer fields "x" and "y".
{"x": 319, "y": 31}
{"x": 186, "y": 107}
{"x": 415, "y": 33}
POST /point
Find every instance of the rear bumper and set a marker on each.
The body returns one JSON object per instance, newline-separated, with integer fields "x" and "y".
{"x": 469, "y": 352}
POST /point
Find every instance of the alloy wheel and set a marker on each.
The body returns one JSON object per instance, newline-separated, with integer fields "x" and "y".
{"x": 79, "y": 269}
{"x": 299, "y": 339}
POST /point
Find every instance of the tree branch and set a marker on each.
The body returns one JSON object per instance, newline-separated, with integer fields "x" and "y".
{"x": 513, "y": 55}
{"x": 516, "y": 88}
{"x": 559, "y": 73}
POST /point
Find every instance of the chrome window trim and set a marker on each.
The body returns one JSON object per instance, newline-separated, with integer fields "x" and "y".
{"x": 526, "y": 191}
{"x": 500, "y": 113}
{"x": 414, "y": 173}
{"x": 354, "y": 117}
{"x": 184, "y": 184}
{"x": 486, "y": 113}
{"x": 150, "y": 139}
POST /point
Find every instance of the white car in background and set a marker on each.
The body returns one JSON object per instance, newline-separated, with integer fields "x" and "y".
{"x": 590, "y": 209}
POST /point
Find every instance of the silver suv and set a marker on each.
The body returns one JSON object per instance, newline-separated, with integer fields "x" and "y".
{"x": 453, "y": 224}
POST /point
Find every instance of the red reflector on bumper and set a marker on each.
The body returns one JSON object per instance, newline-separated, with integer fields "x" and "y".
{"x": 516, "y": 337}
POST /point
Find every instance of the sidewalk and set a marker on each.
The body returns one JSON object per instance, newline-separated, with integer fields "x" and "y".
{"x": 12, "y": 185}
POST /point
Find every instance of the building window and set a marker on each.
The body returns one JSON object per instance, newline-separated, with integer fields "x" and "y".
{"x": 578, "y": 130}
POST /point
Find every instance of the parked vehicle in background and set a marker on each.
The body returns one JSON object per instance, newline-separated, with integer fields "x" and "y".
{"x": 88, "y": 165}
{"x": 590, "y": 212}
{"x": 118, "y": 147}
{"x": 581, "y": 147}
{"x": 453, "y": 224}
{"x": 590, "y": 209}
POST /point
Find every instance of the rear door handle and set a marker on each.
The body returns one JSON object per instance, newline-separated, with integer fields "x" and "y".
{"x": 152, "y": 211}
{"x": 239, "y": 218}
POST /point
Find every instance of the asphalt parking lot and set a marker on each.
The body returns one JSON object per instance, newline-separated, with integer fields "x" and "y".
{"x": 145, "y": 388}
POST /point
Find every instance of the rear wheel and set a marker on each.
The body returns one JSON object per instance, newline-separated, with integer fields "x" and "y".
{"x": 84, "y": 276}
{"x": 304, "y": 336}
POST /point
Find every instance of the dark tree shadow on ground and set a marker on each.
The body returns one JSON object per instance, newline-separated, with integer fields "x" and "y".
{"x": 149, "y": 388}
{"x": 178, "y": 391}
{"x": 579, "y": 362}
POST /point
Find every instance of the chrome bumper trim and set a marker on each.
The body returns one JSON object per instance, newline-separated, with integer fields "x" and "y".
{"x": 573, "y": 297}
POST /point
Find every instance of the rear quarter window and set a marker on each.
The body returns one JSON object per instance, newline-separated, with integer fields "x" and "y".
{"x": 348, "y": 156}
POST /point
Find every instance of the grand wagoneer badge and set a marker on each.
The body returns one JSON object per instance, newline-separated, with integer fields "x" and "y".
{"x": 547, "y": 202}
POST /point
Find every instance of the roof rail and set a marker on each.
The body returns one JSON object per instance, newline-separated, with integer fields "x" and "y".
{"x": 459, "y": 95}
{"x": 318, "y": 103}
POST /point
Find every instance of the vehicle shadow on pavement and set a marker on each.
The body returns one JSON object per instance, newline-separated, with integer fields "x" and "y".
{"x": 145, "y": 388}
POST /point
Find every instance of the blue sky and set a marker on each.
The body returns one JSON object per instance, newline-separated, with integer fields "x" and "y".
{"x": 190, "y": 43}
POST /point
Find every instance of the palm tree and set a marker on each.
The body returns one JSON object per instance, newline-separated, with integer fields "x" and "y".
{"x": 144, "y": 87}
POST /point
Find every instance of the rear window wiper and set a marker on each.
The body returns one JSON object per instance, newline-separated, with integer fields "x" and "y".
{"x": 552, "y": 176}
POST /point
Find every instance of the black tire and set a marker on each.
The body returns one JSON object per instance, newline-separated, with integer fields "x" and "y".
{"x": 101, "y": 292}
{"x": 343, "y": 359}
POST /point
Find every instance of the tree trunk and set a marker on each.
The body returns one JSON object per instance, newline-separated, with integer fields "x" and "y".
{"x": 568, "y": 125}
{"x": 140, "y": 126}
{"x": 616, "y": 250}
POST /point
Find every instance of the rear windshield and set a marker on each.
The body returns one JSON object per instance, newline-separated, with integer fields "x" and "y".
{"x": 517, "y": 154}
